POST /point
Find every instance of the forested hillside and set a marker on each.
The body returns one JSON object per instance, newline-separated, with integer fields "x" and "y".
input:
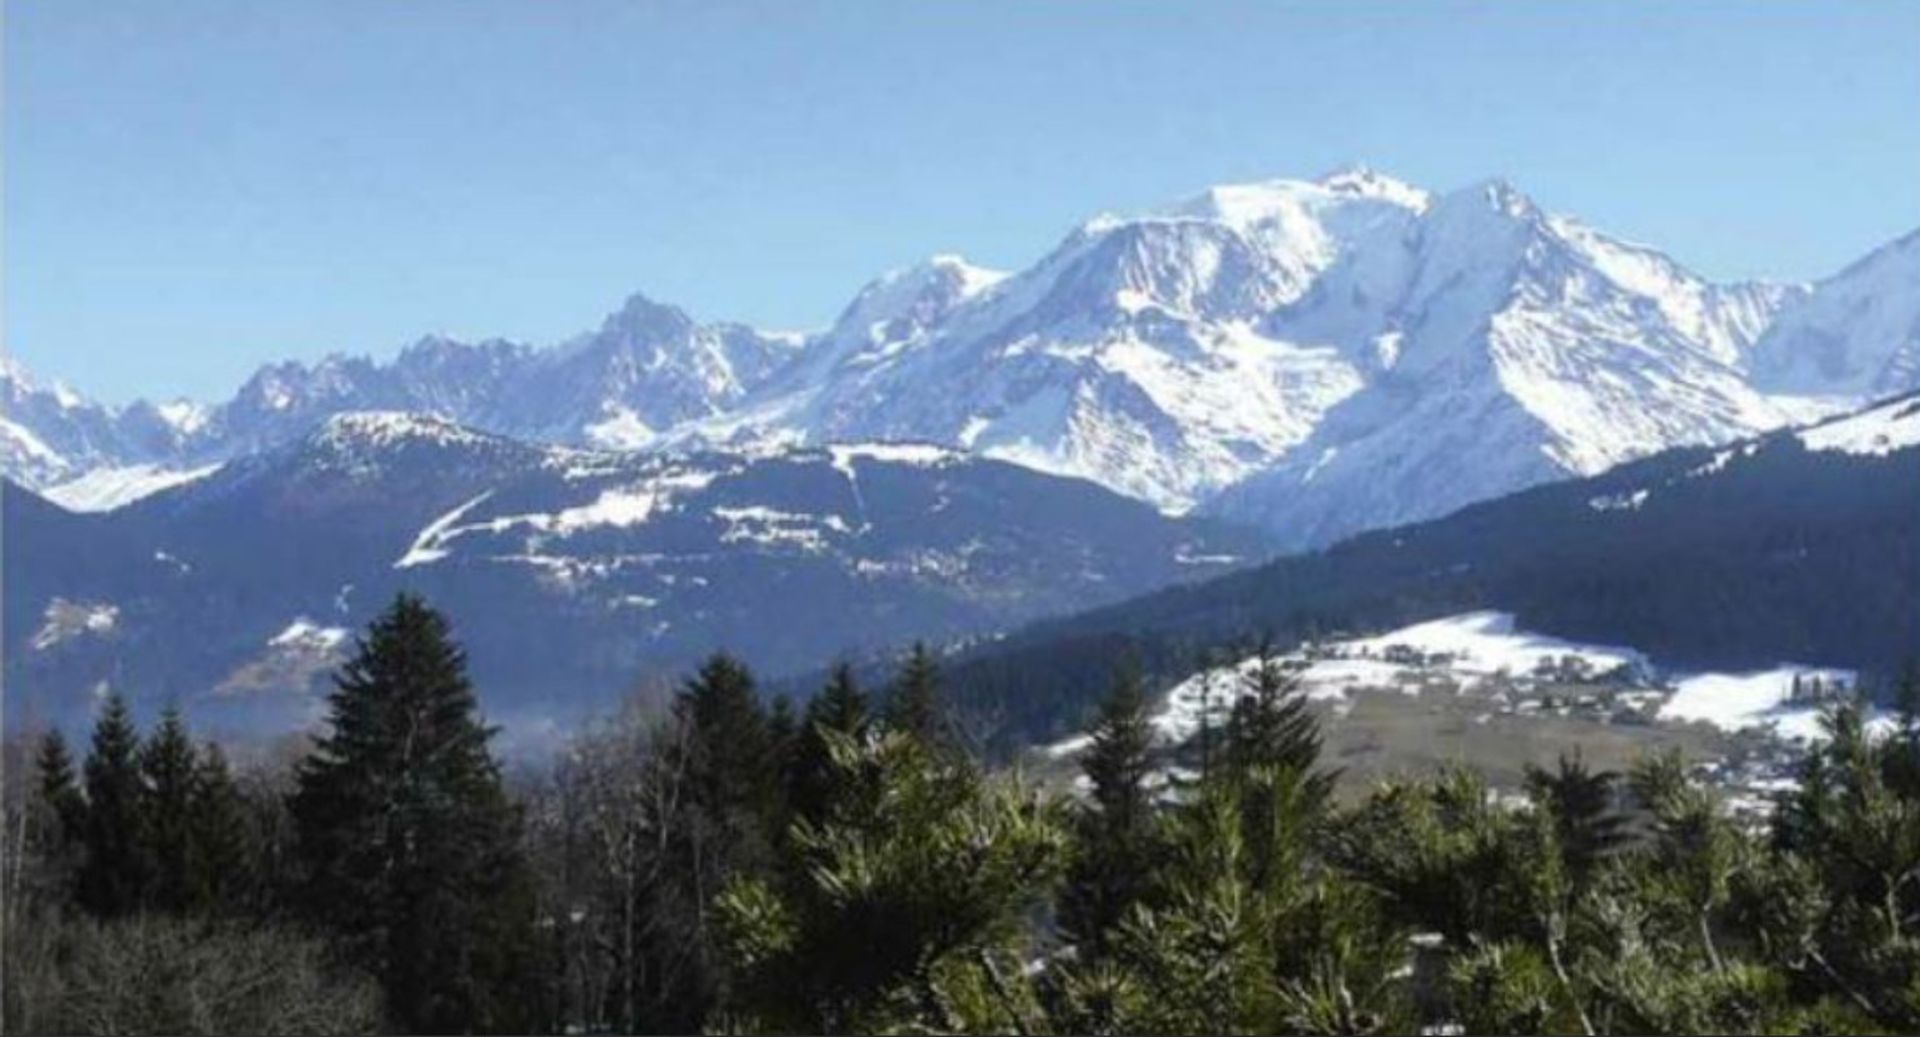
{"x": 731, "y": 864}
{"x": 1789, "y": 547}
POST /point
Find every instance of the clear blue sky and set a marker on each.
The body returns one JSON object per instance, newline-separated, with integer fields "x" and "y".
{"x": 194, "y": 187}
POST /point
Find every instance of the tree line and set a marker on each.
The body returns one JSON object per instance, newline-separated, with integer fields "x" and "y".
{"x": 739, "y": 864}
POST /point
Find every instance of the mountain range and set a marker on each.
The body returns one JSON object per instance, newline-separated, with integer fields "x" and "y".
{"x": 1162, "y": 398}
{"x": 1315, "y": 357}
{"x": 572, "y": 575}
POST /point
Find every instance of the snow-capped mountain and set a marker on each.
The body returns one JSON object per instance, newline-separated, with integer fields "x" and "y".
{"x": 1133, "y": 354}
{"x": 1318, "y": 357}
{"x": 1514, "y": 348}
{"x": 1858, "y": 335}
{"x": 51, "y": 435}
{"x": 648, "y": 367}
{"x": 570, "y": 573}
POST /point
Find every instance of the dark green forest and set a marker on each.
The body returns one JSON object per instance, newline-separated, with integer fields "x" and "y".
{"x": 1789, "y": 555}
{"x": 731, "y": 861}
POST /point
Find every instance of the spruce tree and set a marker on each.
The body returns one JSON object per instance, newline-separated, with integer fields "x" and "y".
{"x": 222, "y": 868}
{"x": 1114, "y": 838}
{"x": 62, "y": 815}
{"x": 840, "y": 708}
{"x": 915, "y": 704}
{"x": 167, "y": 765}
{"x": 719, "y": 786}
{"x": 731, "y": 770}
{"x": 406, "y": 839}
{"x": 113, "y": 876}
{"x": 57, "y": 789}
{"x": 1270, "y": 725}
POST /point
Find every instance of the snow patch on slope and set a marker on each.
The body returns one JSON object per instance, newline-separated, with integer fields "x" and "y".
{"x": 65, "y": 620}
{"x": 430, "y": 545}
{"x": 104, "y": 489}
{"x": 1471, "y": 647}
{"x": 1875, "y": 432}
{"x": 1487, "y": 645}
{"x": 1737, "y": 701}
{"x": 304, "y": 633}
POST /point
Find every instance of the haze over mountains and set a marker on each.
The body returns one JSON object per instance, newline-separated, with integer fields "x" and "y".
{"x": 1318, "y": 357}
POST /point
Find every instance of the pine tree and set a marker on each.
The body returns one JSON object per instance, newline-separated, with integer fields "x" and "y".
{"x": 915, "y": 704}
{"x": 903, "y": 916}
{"x": 61, "y": 817}
{"x": 167, "y": 765}
{"x": 1114, "y": 838}
{"x": 57, "y": 789}
{"x": 222, "y": 867}
{"x": 113, "y": 877}
{"x": 731, "y": 771}
{"x": 840, "y": 708}
{"x": 407, "y": 841}
{"x": 1271, "y": 726}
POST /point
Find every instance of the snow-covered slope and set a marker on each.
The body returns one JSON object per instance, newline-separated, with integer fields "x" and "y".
{"x": 1318, "y": 357}
{"x": 1874, "y": 432}
{"x": 1858, "y": 335}
{"x": 1523, "y": 348}
{"x": 1473, "y": 650}
{"x": 1132, "y": 354}
{"x": 104, "y": 489}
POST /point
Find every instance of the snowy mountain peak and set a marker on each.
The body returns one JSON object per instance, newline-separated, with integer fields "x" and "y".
{"x": 12, "y": 370}
{"x": 1364, "y": 181}
{"x": 641, "y": 314}
{"x": 1501, "y": 196}
{"x": 917, "y": 295}
{"x": 1295, "y": 206}
{"x": 186, "y": 416}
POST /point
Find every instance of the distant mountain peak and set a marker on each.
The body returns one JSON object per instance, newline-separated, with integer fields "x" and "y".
{"x": 1364, "y": 180}
{"x": 640, "y": 312}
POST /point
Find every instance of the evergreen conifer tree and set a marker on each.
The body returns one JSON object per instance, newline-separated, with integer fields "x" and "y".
{"x": 1580, "y": 801}
{"x": 916, "y": 705}
{"x": 1270, "y": 725}
{"x": 903, "y": 916}
{"x": 113, "y": 876}
{"x": 222, "y": 868}
{"x": 57, "y": 789}
{"x": 407, "y": 841}
{"x": 1113, "y": 864}
{"x": 61, "y": 819}
{"x": 732, "y": 772}
{"x": 840, "y": 708}
{"x": 167, "y": 765}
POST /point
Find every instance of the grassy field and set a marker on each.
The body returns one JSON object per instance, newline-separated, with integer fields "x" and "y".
{"x": 1373, "y": 734}
{"x": 1376, "y": 734}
